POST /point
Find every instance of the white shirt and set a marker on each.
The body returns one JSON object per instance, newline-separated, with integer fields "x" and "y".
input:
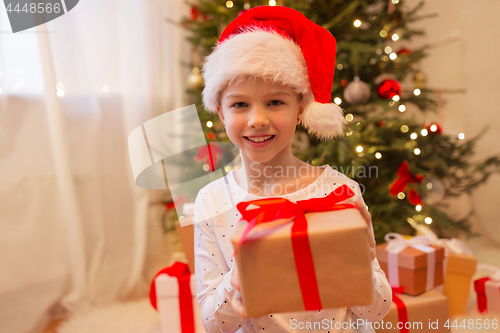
{"x": 216, "y": 217}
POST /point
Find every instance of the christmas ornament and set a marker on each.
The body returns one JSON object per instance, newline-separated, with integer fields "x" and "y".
{"x": 303, "y": 54}
{"x": 404, "y": 51}
{"x": 389, "y": 88}
{"x": 357, "y": 92}
{"x": 434, "y": 128}
{"x": 195, "y": 12}
{"x": 419, "y": 80}
{"x": 195, "y": 80}
{"x": 434, "y": 190}
{"x": 404, "y": 177}
{"x": 210, "y": 154}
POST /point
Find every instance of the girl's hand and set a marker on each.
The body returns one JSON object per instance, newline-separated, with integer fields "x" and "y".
{"x": 368, "y": 219}
{"x": 237, "y": 301}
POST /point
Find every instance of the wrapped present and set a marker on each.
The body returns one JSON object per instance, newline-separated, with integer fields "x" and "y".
{"x": 413, "y": 263}
{"x": 427, "y": 312}
{"x": 298, "y": 256}
{"x": 172, "y": 295}
{"x": 488, "y": 290}
{"x": 459, "y": 266}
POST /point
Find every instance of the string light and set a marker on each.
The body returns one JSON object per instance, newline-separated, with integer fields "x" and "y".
{"x": 383, "y": 33}
{"x": 395, "y": 37}
{"x": 349, "y": 117}
{"x": 229, "y": 4}
{"x": 349, "y": 133}
{"x": 337, "y": 100}
{"x": 461, "y": 136}
{"x": 424, "y": 132}
{"x": 395, "y": 2}
{"x": 378, "y": 155}
{"x": 402, "y": 108}
{"x": 413, "y": 136}
{"x": 429, "y": 186}
{"x": 388, "y": 49}
{"x": 393, "y": 56}
{"x": 416, "y": 151}
{"x": 105, "y": 88}
{"x": 357, "y": 23}
{"x": 340, "y": 66}
{"x": 59, "y": 86}
{"x": 209, "y": 124}
{"x": 60, "y": 92}
{"x": 405, "y": 128}
{"x": 416, "y": 92}
{"x": 434, "y": 128}
{"x": 401, "y": 195}
{"x": 428, "y": 220}
{"x": 396, "y": 98}
{"x": 418, "y": 208}
{"x": 359, "y": 149}
{"x": 227, "y": 168}
{"x": 385, "y": 58}
{"x": 206, "y": 167}
{"x": 272, "y": 3}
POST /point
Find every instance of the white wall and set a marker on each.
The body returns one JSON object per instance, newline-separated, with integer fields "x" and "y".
{"x": 470, "y": 63}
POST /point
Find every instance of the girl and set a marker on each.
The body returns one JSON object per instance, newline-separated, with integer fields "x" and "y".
{"x": 271, "y": 70}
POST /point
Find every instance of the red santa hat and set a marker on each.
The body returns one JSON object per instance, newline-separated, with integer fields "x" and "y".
{"x": 281, "y": 45}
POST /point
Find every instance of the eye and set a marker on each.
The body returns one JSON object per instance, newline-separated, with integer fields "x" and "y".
{"x": 237, "y": 103}
{"x": 276, "y": 100}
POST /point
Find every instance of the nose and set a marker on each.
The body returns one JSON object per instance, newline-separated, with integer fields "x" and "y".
{"x": 258, "y": 117}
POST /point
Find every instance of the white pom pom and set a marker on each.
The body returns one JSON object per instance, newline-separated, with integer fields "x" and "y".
{"x": 325, "y": 121}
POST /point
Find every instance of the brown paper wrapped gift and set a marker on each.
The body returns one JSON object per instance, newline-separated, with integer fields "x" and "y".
{"x": 427, "y": 308}
{"x": 457, "y": 283}
{"x": 339, "y": 246}
{"x": 412, "y": 268}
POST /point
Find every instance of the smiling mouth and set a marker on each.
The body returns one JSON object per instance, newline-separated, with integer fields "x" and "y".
{"x": 260, "y": 139}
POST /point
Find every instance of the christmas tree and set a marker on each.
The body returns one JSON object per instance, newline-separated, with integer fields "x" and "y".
{"x": 405, "y": 168}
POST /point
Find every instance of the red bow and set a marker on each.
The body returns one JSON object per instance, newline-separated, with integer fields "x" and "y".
{"x": 402, "y": 312}
{"x": 181, "y": 271}
{"x": 405, "y": 177}
{"x": 271, "y": 209}
{"x": 211, "y": 153}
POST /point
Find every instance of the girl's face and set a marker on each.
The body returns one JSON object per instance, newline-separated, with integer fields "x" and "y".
{"x": 257, "y": 110}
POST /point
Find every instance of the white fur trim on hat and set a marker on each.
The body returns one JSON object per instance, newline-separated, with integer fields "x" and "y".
{"x": 325, "y": 121}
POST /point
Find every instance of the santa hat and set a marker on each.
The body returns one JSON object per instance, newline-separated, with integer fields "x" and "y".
{"x": 281, "y": 45}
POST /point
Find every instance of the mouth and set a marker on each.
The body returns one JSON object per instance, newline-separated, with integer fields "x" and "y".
{"x": 259, "y": 139}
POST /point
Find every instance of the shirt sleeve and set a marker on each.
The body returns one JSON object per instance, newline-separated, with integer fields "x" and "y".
{"x": 382, "y": 292}
{"x": 213, "y": 276}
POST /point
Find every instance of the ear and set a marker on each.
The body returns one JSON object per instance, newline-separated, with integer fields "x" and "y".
{"x": 221, "y": 114}
{"x": 302, "y": 107}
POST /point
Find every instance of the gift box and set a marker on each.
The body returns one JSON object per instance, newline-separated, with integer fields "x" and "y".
{"x": 412, "y": 264}
{"x": 173, "y": 293}
{"x": 427, "y": 312}
{"x": 285, "y": 267}
{"x": 460, "y": 268}
{"x": 488, "y": 291}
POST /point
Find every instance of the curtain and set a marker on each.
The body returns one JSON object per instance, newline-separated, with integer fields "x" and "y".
{"x": 74, "y": 226}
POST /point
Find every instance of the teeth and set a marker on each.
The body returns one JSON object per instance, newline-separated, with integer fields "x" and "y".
{"x": 264, "y": 138}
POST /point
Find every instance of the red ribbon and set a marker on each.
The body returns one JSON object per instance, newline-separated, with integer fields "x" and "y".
{"x": 181, "y": 272}
{"x": 482, "y": 304}
{"x": 402, "y": 312}
{"x": 405, "y": 177}
{"x": 211, "y": 153}
{"x": 271, "y": 209}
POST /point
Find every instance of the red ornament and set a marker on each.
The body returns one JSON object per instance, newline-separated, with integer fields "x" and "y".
{"x": 388, "y": 89}
{"x": 404, "y": 178}
{"x": 434, "y": 128}
{"x": 210, "y": 154}
{"x": 210, "y": 135}
{"x": 195, "y": 12}
{"x": 404, "y": 52}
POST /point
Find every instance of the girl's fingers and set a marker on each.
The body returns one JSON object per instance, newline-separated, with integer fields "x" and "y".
{"x": 237, "y": 304}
